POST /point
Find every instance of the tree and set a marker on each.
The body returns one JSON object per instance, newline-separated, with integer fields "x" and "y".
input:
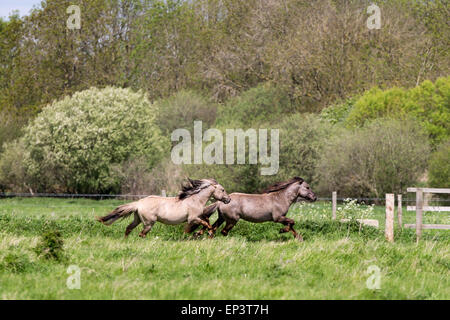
{"x": 74, "y": 144}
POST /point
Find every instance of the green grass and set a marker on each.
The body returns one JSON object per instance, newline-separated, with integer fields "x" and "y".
{"x": 253, "y": 262}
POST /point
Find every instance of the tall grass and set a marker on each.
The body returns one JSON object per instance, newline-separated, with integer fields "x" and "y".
{"x": 253, "y": 262}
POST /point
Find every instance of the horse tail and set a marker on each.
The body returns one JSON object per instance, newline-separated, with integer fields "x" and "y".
{"x": 122, "y": 211}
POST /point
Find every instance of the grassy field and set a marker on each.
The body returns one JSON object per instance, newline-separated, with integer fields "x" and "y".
{"x": 253, "y": 262}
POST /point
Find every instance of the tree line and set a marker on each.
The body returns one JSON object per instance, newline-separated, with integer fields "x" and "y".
{"x": 285, "y": 57}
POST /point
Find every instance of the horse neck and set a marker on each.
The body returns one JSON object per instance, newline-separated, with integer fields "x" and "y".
{"x": 289, "y": 195}
{"x": 202, "y": 197}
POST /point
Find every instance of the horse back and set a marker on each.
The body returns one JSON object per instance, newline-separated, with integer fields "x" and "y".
{"x": 250, "y": 207}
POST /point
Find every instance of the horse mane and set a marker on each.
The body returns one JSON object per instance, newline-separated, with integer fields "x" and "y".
{"x": 193, "y": 187}
{"x": 282, "y": 185}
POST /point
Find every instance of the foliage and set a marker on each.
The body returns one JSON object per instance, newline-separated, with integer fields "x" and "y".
{"x": 12, "y": 170}
{"x": 73, "y": 143}
{"x": 16, "y": 263}
{"x": 221, "y": 47}
{"x": 353, "y": 210}
{"x": 263, "y": 60}
{"x": 439, "y": 168}
{"x": 302, "y": 139}
{"x": 255, "y": 107}
{"x": 350, "y": 209}
{"x": 261, "y": 107}
{"x": 51, "y": 245}
{"x": 137, "y": 179}
{"x": 386, "y": 156}
{"x": 337, "y": 113}
{"x": 182, "y": 109}
{"x": 429, "y": 103}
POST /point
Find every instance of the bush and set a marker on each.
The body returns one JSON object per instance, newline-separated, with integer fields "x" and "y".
{"x": 259, "y": 107}
{"x": 74, "y": 143}
{"x": 51, "y": 245}
{"x": 262, "y": 104}
{"x": 336, "y": 114}
{"x": 12, "y": 169}
{"x": 439, "y": 168}
{"x": 429, "y": 103}
{"x": 302, "y": 138}
{"x": 10, "y": 127}
{"x": 383, "y": 157}
{"x": 138, "y": 180}
{"x": 301, "y": 142}
{"x": 16, "y": 263}
{"x": 182, "y": 109}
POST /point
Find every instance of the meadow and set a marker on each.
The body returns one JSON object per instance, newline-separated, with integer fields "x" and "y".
{"x": 253, "y": 262}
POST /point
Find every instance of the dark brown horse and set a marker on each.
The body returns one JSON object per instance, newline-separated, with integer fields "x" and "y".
{"x": 272, "y": 205}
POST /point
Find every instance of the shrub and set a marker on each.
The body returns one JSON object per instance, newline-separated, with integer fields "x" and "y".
{"x": 439, "y": 168}
{"x": 262, "y": 104}
{"x": 138, "y": 180}
{"x": 429, "y": 103}
{"x": 337, "y": 113}
{"x": 383, "y": 157}
{"x": 377, "y": 103}
{"x": 12, "y": 169}
{"x": 301, "y": 142}
{"x": 10, "y": 126}
{"x": 302, "y": 138}
{"x": 73, "y": 144}
{"x": 51, "y": 245}
{"x": 234, "y": 177}
{"x": 16, "y": 263}
{"x": 182, "y": 109}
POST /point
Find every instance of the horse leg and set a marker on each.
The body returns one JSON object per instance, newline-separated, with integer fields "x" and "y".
{"x": 229, "y": 225}
{"x": 289, "y": 227}
{"x": 215, "y": 226}
{"x": 285, "y": 229}
{"x": 204, "y": 223}
{"x": 218, "y": 222}
{"x": 202, "y": 230}
{"x": 147, "y": 227}
{"x": 206, "y": 215}
{"x": 133, "y": 225}
{"x": 190, "y": 227}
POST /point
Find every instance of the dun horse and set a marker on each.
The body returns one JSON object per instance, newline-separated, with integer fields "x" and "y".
{"x": 188, "y": 206}
{"x": 272, "y": 205}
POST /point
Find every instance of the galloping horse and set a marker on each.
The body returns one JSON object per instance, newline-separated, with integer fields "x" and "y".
{"x": 188, "y": 206}
{"x": 272, "y": 205}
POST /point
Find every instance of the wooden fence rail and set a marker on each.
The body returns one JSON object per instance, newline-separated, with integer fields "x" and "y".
{"x": 420, "y": 208}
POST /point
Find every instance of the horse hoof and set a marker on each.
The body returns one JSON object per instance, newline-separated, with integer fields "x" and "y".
{"x": 299, "y": 238}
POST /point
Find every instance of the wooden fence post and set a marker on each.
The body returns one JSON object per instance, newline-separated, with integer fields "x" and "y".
{"x": 399, "y": 210}
{"x": 334, "y": 200}
{"x": 419, "y": 213}
{"x": 389, "y": 227}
